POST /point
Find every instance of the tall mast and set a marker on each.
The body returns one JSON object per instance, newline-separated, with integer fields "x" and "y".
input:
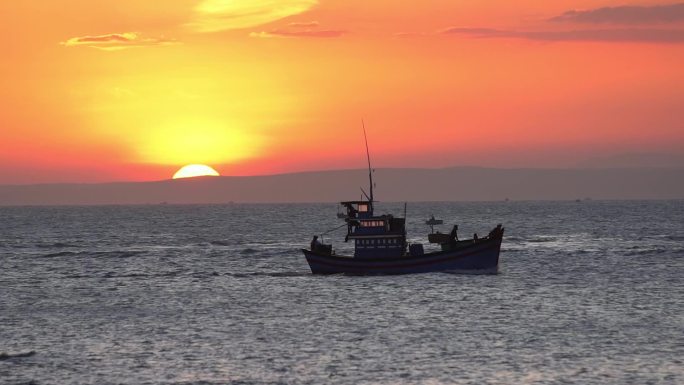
{"x": 370, "y": 172}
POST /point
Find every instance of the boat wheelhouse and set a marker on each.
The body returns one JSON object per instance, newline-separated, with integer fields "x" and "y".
{"x": 374, "y": 236}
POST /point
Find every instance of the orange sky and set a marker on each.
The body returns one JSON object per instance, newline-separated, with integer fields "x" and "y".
{"x": 132, "y": 90}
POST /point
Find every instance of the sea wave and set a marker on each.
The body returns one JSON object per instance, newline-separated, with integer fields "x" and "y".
{"x": 541, "y": 239}
{"x": 96, "y": 254}
{"x": 7, "y": 356}
{"x": 207, "y": 274}
{"x": 59, "y": 254}
{"x": 219, "y": 243}
{"x": 55, "y": 245}
{"x": 646, "y": 251}
{"x": 110, "y": 275}
{"x": 270, "y": 274}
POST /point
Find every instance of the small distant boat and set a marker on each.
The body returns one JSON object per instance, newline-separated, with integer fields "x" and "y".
{"x": 341, "y": 215}
{"x": 433, "y": 222}
{"x": 381, "y": 248}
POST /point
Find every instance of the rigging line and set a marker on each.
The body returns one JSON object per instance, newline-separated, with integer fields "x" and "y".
{"x": 370, "y": 172}
{"x": 331, "y": 230}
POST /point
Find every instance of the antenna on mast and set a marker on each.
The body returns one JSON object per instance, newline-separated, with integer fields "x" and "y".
{"x": 370, "y": 172}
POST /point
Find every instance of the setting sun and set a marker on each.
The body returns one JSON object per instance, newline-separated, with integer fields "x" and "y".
{"x": 193, "y": 170}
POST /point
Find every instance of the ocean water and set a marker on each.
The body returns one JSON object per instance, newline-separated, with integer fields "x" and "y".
{"x": 588, "y": 293}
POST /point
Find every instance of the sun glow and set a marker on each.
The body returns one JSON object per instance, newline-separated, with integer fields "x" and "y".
{"x": 193, "y": 170}
{"x": 134, "y": 90}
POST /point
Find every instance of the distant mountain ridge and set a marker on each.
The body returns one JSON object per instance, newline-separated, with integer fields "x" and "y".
{"x": 635, "y": 160}
{"x": 420, "y": 184}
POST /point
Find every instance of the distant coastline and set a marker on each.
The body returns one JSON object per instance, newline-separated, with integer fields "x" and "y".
{"x": 393, "y": 184}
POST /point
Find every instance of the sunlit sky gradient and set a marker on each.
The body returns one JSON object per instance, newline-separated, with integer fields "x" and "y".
{"x": 132, "y": 90}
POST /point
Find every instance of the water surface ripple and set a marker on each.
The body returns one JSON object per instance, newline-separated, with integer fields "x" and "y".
{"x": 588, "y": 293}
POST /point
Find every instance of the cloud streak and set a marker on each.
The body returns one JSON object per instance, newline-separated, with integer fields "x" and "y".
{"x": 306, "y": 24}
{"x": 116, "y": 41}
{"x": 222, "y": 15}
{"x": 657, "y": 14}
{"x": 596, "y": 35}
{"x": 306, "y": 33}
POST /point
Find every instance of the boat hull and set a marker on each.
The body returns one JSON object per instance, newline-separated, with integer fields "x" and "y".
{"x": 481, "y": 257}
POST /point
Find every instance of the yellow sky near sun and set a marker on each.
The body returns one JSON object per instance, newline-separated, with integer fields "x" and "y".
{"x": 271, "y": 86}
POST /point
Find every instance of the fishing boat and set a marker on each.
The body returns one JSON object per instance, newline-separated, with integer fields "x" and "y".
{"x": 381, "y": 247}
{"x": 433, "y": 221}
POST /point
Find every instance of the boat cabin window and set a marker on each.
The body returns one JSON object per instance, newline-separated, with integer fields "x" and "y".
{"x": 363, "y": 208}
{"x": 372, "y": 223}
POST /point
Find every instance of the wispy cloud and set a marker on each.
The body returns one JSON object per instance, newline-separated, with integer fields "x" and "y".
{"x": 598, "y": 35}
{"x": 221, "y": 15}
{"x": 627, "y": 16}
{"x": 406, "y": 35}
{"x": 306, "y": 24}
{"x": 307, "y": 33}
{"x": 655, "y": 14}
{"x": 477, "y": 32}
{"x": 116, "y": 41}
